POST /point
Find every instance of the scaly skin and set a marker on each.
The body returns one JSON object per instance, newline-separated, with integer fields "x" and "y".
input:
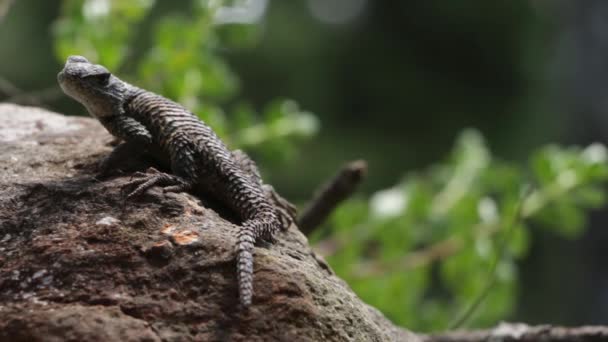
{"x": 199, "y": 159}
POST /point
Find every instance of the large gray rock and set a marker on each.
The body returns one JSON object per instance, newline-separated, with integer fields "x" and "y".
{"x": 79, "y": 263}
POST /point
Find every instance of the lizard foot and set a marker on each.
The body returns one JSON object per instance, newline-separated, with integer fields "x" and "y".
{"x": 265, "y": 239}
{"x": 266, "y": 235}
{"x": 285, "y": 217}
{"x": 153, "y": 177}
{"x": 285, "y": 210}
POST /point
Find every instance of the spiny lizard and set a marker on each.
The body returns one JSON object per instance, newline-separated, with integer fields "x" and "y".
{"x": 199, "y": 160}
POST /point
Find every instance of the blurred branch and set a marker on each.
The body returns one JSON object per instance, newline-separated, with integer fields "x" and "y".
{"x": 420, "y": 258}
{"x": 38, "y": 97}
{"x": 440, "y": 250}
{"x": 331, "y": 194}
{"x": 501, "y": 248}
{"x": 535, "y": 201}
{"x": 5, "y": 6}
{"x": 141, "y": 39}
{"x": 34, "y": 98}
{"x": 8, "y": 88}
{"x": 293, "y": 123}
{"x": 248, "y": 12}
{"x": 524, "y": 333}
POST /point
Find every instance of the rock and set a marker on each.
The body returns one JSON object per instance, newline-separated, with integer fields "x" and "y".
{"x": 78, "y": 262}
{"x": 58, "y": 323}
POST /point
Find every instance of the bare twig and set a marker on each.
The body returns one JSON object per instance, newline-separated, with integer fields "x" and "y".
{"x": 331, "y": 194}
{"x": 5, "y": 6}
{"x": 523, "y": 333}
{"x": 8, "y": 88}
{"x": 36, "y": 98}
{"x": 425, "y": 256}
{"x": 501, "y": 248}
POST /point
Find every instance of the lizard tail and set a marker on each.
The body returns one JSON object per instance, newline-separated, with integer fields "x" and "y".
{"x": 244, "y": 263}
{"x": 260, "y": 227}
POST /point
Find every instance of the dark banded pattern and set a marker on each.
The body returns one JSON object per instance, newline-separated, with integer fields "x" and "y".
{"x": 199, "y": 157}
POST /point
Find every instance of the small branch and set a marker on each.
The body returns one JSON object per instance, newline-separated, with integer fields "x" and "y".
{"x": 34, "y": 98}
{"x": 423, "y": 257}
{"x": 506, "y": 332}
{"x": 5, "y": 6}
{"x": 37, "y": 98}
{"x": 501, "y": 249}
{"x": 331, "y": 194}
{"x": 8, "y": 88}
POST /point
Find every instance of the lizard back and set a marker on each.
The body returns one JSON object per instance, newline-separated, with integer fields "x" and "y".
{"x": 197, "y": 153}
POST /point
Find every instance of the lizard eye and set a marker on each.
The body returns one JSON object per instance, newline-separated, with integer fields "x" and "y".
{"x": 100, "y": 78}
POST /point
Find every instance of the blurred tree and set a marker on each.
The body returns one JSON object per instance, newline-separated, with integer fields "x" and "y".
{"x": 394, "y": 84}
{"x": 394, "y": 81}
{"x": 448, "y": 238}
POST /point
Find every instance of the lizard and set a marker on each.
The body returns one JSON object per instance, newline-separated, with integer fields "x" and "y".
{"x": 199, "y": 160}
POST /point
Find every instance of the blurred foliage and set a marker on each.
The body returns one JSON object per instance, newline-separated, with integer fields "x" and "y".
{"x": 422, "y": 251}
{"x": 182, "y": 63}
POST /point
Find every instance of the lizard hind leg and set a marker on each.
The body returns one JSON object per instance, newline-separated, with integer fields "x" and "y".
{"x": 284, "y": 209}
{"x": 153, "y": 177}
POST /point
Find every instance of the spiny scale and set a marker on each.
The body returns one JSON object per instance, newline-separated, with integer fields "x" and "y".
{"x": 199, "y": 159}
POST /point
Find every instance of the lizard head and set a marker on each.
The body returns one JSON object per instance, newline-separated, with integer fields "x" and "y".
{"x": 102, "y": 93}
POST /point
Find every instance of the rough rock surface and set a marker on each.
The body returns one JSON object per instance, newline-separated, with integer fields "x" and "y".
{"x": 79, "y": 263}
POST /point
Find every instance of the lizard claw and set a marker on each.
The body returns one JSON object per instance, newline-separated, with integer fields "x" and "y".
{"x": 285, "y": 217}
{"x": 152, "y": 177}
{"x": 149, "y": 171}
{"x": 140, "y": 185}
{"x": 183, "y": 187}
{"x": 266, "y": 235}
{"x": 266, "y": 239}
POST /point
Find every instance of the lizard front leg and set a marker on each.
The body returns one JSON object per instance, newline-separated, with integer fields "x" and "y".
{"x": 136, "y": 138}
{"x": 120, "y": 155}
{"x": 127, "y": 129}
